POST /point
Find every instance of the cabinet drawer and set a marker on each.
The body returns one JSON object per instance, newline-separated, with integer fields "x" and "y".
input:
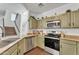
{"x": 10, "y": 50}
{"x": 67, "y": 41}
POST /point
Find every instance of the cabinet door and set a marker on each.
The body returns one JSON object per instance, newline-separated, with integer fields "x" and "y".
{"x": 76, "y": 19}
{"x": 67, "y": 49}
{"x": 65, "y": 20}
{"x": 43, "y": 24}
{"x": 32, "y": 23}
{"x": 41, "y": 41}
{"x": 39, "y": 24}
{"x": 21, "y": 47}
{"x": 77, "y": 48}
{"x": 25, "y": 45}
{"x": 72, "y": 19}
{"x": 15, "y": 52}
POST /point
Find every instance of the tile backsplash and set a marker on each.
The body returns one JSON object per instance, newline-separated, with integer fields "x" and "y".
{"x": 66, "y": 31}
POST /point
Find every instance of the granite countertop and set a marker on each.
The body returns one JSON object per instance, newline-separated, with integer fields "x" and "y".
{"x": 71, "y": 37}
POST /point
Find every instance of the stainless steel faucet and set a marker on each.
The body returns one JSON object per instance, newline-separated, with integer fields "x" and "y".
{"x": 3, "y": 31}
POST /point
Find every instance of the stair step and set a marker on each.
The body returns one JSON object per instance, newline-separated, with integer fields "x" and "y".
{"x": 10, "y": 31}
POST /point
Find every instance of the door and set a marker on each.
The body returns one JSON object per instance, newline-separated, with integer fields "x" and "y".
{"x": 67, "y": 49}
{"x": 21, "y": 47}
{"x": 65, "y": 20}
{"x": 77, "y": 48}
{"x": 39, "y": 24}
{"x": 76, "y": 19}
{"x": 40, "y": 41}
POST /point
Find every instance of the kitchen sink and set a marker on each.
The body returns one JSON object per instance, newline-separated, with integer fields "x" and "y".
{"x": 6, "y": 42}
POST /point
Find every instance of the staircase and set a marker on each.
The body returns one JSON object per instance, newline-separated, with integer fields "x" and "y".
{"x": 10, "y": 31}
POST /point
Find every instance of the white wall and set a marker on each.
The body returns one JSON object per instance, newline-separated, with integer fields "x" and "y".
{"x": 24, "y": 24}
{"x": 12, "y": 8}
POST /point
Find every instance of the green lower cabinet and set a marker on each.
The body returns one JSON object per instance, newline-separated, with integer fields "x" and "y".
{"x": 17, "y": 49}
{"x": 15, "y": 52}
{"x": 68, "y": 49}
{"x": 21, "y": 47}
{"x": 40, "y": 41}
{"x": 77, "y": 48}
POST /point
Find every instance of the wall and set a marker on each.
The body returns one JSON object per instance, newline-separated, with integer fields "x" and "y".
{"x": 24, "y": 24}
{"x": 11, "y": 8}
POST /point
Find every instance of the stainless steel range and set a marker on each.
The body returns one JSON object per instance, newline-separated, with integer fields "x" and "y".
{"x": 52, "y": 43}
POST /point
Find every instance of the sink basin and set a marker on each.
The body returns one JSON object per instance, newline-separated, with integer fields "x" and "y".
{"x": 6, "y": 42}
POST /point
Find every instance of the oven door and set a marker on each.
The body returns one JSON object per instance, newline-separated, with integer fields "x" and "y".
{"x": 52, "y": 43}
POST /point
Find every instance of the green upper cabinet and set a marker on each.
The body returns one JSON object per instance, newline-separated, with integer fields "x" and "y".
{"x": 65, "y": 20}
{"x": 70, "y": 19}
{"x": 33, "y": 23}
{"x": 39, "y": 24}
{"x": 42, "y": 24}
{"x": 75, "y": 19}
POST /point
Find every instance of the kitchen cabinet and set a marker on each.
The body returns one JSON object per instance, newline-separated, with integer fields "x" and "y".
{"x": 21, "y": 47}
{"x": 44, "y": 24}
{"x": 39, "y": 24}
{"x": 67, "y": 47}
{"x": 17, "y": 49}
{"x": 75, "y": 19}
{"x": 70, "y": 19}
{"x": 32, "y": 23}
{"x": 10, "y": 50}
{"x": 14, "y": 53}
{"x": 77, "y": 48}
{"x": 25, "y": 44}
{"x": 40, "y": 41}
{"x": 65, "y": 20}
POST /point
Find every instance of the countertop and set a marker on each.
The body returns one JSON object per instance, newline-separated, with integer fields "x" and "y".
{"x": 71, "y": 37}
{"x": 11, "y": 44}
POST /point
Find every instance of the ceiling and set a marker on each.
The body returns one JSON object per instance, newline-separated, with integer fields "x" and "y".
{"x": 35, "y": 8}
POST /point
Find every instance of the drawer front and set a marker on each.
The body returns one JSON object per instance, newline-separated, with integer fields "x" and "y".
{"x": 67, "y": 41}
